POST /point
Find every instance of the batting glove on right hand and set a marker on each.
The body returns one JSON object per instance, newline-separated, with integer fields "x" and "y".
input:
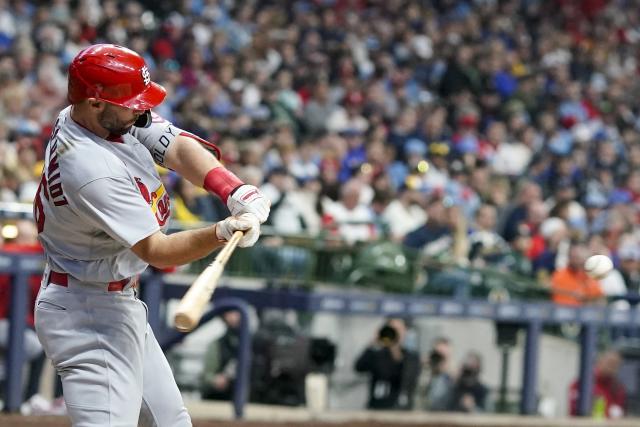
{"x": 248, "y": 223}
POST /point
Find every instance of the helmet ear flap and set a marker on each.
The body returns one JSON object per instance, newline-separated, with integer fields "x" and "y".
{"x": 144, "y": 120}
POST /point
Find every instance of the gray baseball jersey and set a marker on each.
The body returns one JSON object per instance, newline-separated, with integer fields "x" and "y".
{"x": 97, "y": 198}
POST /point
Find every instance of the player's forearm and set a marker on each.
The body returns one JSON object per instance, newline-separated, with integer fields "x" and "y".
{"x": 199, "y": 166}
{"x": 187, "y": 157}
{"x": 165, "y": 250}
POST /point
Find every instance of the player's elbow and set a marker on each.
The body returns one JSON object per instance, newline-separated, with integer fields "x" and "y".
{"x": 160, "y": 265}
{"x": 150, "y": 250}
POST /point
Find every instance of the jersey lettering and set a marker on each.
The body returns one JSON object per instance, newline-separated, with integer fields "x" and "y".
{"x": 53, "y": 182}
{"x": 38, "y": 208}
{"x": 162, "y": 206}
{"x": 164, "y": 141}
{"x": 52, "y": 185}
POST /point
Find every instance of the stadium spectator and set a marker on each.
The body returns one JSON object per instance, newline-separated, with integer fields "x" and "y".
{"x": 405, "y": 213}
{"x": 439, "y": 387}
{"x": 25, "y": 242}
{"x": 609, "y": 395}
{"x": 536, "y": 214}
{"x": 469, "y": 394}
{"x": 571, "y": 285}
{"x": 595, "y": 204}
{"x": 629, "y": 257}
{"x": 436, "y": 235}
{"x": 613, "y": 285}
{"x": 436, "y": 176}
{"x": 517, "y": 212}
{"x": 190, "y": 204}
{"x": 349, "y": 216}
{"x": 393, "y": 369}
{"x": 320, "y": 107}
{"x": 220, "y": 361}
{"x": 516, "y": 260}
{"x": 287, "y": 217}
{"x": 486, "y": 246}
{"x": 554, "y": 233}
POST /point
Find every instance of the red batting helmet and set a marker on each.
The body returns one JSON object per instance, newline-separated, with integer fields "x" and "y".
{"x": 113, "y": 74}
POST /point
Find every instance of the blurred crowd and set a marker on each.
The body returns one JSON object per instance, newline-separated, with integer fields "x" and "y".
{"x": 483, "y": 132}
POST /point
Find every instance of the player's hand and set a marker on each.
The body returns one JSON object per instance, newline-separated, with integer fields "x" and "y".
{"x": 248, "y": 223}
{"x": 248, "y": 199}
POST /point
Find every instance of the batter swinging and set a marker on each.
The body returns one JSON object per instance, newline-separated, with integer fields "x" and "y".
{"x": 101, "y": 211}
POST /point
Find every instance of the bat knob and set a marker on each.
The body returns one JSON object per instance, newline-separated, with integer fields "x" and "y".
{"x": 183, "y": 322}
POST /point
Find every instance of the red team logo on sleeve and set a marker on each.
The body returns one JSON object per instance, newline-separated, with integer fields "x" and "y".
{"x": 158, "y": 201}
{"x": 144, "y": 191}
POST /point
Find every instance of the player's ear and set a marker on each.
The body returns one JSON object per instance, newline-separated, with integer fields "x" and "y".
{"x": 95, "y": 104}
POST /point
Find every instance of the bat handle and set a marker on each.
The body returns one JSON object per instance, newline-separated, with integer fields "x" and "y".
{"x": 235, "y": 238}
{"x": 193, "y": 303}
{"x": 229, "y": 247}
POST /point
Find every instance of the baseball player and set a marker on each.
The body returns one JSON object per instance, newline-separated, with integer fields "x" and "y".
{"x": 101, "y": 212}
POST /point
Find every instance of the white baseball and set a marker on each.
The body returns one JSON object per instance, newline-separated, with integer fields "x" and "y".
{"x": 598, "y": 266}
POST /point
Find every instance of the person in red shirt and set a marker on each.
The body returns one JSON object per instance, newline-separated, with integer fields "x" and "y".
{"x": 608, "y": 400}
{"x": 26, "y": 242}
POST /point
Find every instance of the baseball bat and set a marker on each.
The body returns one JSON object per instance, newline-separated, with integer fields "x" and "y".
{"x": 193, "y": 303}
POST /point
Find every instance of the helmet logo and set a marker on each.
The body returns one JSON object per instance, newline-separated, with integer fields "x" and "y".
{"x": 146, "y": 76}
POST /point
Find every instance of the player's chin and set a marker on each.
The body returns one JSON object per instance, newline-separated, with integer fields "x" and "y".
{"x": 123, "y": 130}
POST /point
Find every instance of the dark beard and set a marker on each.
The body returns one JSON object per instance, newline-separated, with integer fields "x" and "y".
{"x": 118, "y": 131}
{"x": 108, "y": 121}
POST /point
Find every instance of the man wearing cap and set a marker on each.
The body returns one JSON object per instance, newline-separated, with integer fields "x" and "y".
{"x": 629, "y": 256}
{"x": 102, "y": 213}
{"x": 437, "y": 174}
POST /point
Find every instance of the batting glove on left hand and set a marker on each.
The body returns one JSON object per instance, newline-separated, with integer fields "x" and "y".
{"x": 248, "y": 223}
{"x": 248, "y": 199}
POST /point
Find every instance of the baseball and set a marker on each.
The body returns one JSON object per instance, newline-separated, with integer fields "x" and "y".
{"x": 598, "y": 266}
